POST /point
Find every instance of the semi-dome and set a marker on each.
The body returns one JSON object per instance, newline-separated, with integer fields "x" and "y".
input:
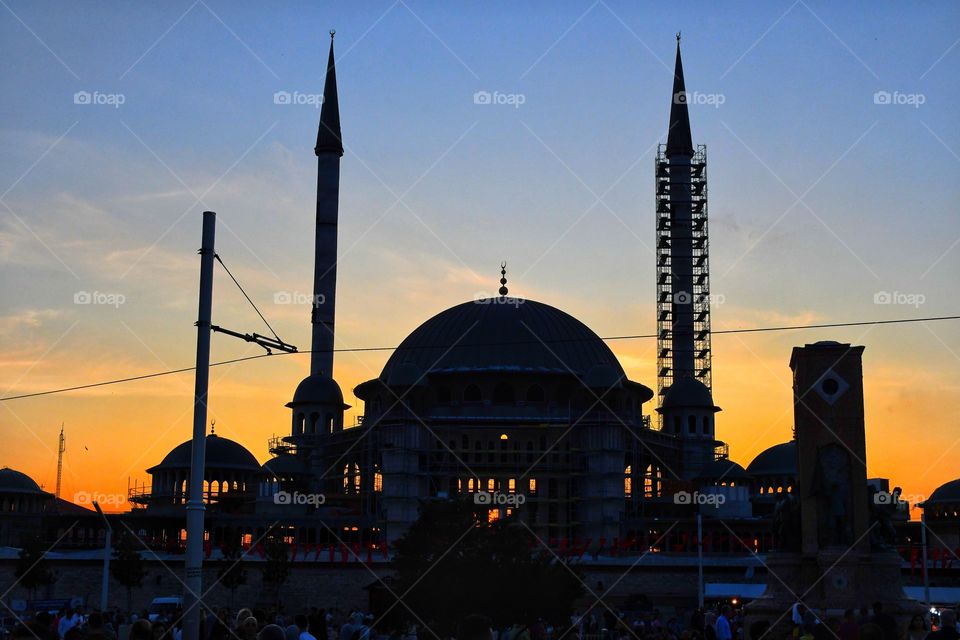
{"x": 318, "y": 389}
{"x": 688, "y": 392}
{"x": 723, "y": 469}
{"x": 504, "y": 335}
{"x": 948, "y": 493}
{"x": 778, "y": 460}
{"x": 285, "y": 465}
{"x": 221, "y": 453}
{"x": 13, "y": 481}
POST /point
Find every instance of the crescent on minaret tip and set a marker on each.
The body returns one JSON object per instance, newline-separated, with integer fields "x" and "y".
{"x": 333, "y": 32}
{"x": 503, "y": 278}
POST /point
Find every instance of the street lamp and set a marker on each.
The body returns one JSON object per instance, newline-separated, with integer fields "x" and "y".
{"x": 108, "y": 533}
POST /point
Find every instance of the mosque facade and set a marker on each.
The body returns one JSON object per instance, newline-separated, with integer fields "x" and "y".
{"x": 509, "y": 403}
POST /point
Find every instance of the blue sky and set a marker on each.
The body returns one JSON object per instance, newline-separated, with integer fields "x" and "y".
{"x": 820, "y": 198}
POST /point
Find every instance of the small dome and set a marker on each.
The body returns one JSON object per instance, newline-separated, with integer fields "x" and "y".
{"x": 948, "y": 493}
{"x": 723, "y": 469}
{"x": 688, "y": 392}
{"x": 12, "y": 481}
{"x": 285, "y": 465}
{"x": 221, "y": 453}
{"x": 778, "y": 460}
{"x": 318, "y": 389}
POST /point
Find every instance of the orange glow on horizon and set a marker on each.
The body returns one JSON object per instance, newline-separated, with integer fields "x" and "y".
{"x": 115, "y": 433}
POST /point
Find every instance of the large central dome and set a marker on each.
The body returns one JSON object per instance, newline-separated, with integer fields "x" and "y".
{"x": 501, "y": 334}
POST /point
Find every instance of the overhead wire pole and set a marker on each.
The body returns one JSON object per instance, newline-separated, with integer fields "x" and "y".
{"x": 193, "y": 563}
{"x": 107, "y": 550}
{"x": 923, "y": 547}
{"x": 700, "y": 560}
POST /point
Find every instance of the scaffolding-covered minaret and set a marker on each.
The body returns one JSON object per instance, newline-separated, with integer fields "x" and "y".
{"x": 683, "y": 273}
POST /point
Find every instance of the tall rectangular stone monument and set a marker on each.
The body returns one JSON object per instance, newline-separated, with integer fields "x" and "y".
{"x": 834, "y": 550}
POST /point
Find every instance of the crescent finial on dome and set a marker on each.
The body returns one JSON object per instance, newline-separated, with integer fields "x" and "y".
{"x": 503, "y": 278}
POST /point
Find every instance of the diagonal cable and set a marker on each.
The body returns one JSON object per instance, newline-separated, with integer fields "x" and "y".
{"x": 252, "y": 304}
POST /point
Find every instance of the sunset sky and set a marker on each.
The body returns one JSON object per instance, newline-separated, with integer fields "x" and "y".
{"x": 833, "y": 149}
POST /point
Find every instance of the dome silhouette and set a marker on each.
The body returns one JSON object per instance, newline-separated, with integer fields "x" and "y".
{"x": 778, "y": 460}
{"x": 501, "y": 334}
{"x": 221, "y": 453}
{"x": 13, "y": 481}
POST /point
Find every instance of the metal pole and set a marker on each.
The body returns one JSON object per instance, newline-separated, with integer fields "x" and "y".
{"x": 195, "y": 507}
{"x": 107, "y": 550}
{"x": 700, "y": 561}
{"x": 923, "y": 545}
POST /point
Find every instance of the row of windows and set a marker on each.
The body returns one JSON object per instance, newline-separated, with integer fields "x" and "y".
{"x": 505, "y": 393}
{"x": 352, "y": 480}
{"x": 311, "y": 424}
{"x": 777, "y": 489}
{"x": 692, "y": 421}
{"x": 652, "y": 478}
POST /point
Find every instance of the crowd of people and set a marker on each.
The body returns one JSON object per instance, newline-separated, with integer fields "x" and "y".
{"x": 246, "y": 624}
{"x": 718, "y": 623}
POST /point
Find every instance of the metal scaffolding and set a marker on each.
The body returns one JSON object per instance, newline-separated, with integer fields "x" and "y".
{"x": 700, "y": 296}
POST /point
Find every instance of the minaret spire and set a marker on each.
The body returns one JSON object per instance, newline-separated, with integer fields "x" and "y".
{"x": 329, "y": 149}
{"x": 683, "y": 269}
{"x": 328, "y": 135}
{"x": 679, "y": 139}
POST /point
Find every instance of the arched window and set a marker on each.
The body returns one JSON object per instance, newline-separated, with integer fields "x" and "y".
{"x": 691, "y": 424}
{"x": 503, "y": 393}
{"x": 650, "y": 482}
{"x": 329, "y": 423}
{"x": 535, "y": 394}
{"x": 472, "y": 394}
{"x": 314, "y": 419}
{"x": 676, "y": 425}
{"x": 706, "y": 425}
{"x": 628, "y": 481}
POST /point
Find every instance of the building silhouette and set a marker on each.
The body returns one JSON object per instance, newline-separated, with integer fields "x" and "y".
{"x": 509, "y": 403}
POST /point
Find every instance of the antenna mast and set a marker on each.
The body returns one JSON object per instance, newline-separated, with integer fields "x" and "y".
{"x": 60, "y": 449}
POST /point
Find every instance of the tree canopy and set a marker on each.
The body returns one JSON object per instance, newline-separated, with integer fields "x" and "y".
{"x": 452, "y": 563}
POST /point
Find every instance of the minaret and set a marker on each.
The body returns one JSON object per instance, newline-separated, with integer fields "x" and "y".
{"x": 317, "y": 406}
{"x": 329, "y": 150}
{"x": 686, "y": 405}
{"x": 683, "y": 286}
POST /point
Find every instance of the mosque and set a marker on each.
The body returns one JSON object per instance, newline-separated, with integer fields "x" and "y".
{"x": 506, "y": 402}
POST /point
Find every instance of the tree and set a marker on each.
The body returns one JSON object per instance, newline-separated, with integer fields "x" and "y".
{"x": 232, "y": 574}
{"x": 452, "y": 563}
{"x": 127, "y": 565}
{"x": 33, "y": 569}
{"x": 276, "y": 568}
